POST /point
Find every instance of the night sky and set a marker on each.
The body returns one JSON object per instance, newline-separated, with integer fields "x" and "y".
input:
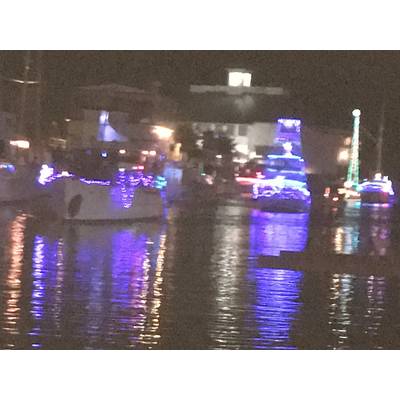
{"x": 325, "y": 85}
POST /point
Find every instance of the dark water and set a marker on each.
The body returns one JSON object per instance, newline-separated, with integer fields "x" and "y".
{"x": 193, "y": 282}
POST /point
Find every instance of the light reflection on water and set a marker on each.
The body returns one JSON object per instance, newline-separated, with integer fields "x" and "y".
{"x": 277, "y": 300}
{"x": 14, "y": 252}
{"x": 194, "y": 282}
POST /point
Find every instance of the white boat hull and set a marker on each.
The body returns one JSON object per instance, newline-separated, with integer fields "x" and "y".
{"x": 73, "y": 200}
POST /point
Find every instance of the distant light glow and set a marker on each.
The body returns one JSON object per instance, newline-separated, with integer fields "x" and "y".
{"x": 104, "y": 154}
{"x": 163, "y": 132}
{"x": 152, "y": 152}
{"x": 218, "y": 156}
{"x": 122, "y": 151}
{"x": 356, "y": 112}
{"x": 145, "y": 152}
{"x": 343, "y": 156}
{"x": 21, "y": 144}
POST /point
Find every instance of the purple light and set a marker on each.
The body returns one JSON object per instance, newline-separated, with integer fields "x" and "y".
{"x": 94, "y": 182}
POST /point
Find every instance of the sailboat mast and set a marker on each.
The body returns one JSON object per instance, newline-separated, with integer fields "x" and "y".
{"x": 27, "y": 67}
{"x": 38, "y": 112}
{"x": 379, "y": 142}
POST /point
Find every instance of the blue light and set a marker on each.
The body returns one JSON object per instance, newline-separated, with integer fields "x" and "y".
{"x": 8, "y": 167}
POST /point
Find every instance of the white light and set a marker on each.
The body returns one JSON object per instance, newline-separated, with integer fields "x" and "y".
{"x": 152, "y": 152}
{"x": 162, "y": 132}
{"x": 356, "y": 112}
{"x": 287, "y": 146}
{"x": 348, "y": 184}
{"x": 145, "y": 152}
{"x": 347, "y": 141}
{"x": 238, "y": 78}
{"x": 121, "y": 169}
{"x": 67, "y": 120}
{"x": 343, "y": 156}
{"x": 218, "y": 156}
{"x": 103, "y": 119}
{"x": 21, "y": 144}
{"x": 122, "y": 151}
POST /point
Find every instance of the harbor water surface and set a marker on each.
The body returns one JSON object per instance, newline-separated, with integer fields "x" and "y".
{"x": 193, "y": 281}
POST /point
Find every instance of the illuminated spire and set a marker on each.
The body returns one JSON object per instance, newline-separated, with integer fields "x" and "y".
{"x": 353, "y": 172}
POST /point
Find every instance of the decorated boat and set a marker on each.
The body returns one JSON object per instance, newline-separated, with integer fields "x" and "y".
{"x": 127, "y": 196}
{"x": 283, "y": 186}
{"x": 377, "y": 191}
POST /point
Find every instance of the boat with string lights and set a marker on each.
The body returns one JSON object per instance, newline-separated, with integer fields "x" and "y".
{"x": 378, "y": 190}
{"x": 283, "y": 186}
{"x": 112, "y": 194}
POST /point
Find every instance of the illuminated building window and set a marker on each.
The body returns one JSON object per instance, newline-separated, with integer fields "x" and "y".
{"x": 239, "y": 78}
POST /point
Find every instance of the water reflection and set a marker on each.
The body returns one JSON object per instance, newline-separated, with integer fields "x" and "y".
{"x": 12, "y": 290}
{"x": 277, "y": 291}
{"x": 90, "y": 286}
{"x": 363, "y": 230}
{"x": 228, "y": 274}
{"x": 195, "y": 282}
{"x": 271, "y": 233}
{"x": 121, "y": 270}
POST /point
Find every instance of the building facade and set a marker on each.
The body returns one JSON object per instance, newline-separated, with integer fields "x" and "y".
{"x": 117, "y": 113}
{"x": 249, "y": 114}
